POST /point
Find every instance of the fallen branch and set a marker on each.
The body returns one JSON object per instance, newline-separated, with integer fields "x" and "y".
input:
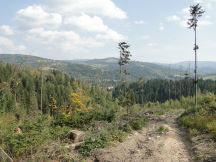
{"x": 5, "y": 156}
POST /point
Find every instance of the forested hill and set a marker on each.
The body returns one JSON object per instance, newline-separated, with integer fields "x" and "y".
{"x": 101, "y": 71}
{"x": 29, "y": 90}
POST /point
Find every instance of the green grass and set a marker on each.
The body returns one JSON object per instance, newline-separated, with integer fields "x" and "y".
{"x": 163, "y": 129}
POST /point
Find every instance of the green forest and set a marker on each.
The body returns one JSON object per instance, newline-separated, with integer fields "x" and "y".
{"x": 21, "y": 89}
{"x": 158, "y": 90}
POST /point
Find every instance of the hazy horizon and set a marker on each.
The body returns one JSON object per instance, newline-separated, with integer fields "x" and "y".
{"x": 74, "y": 29}
{"x": 85, "y": 59}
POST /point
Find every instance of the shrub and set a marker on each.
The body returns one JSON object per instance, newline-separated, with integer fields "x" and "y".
{"x": 118, "y": 135}
{"x": 99, "y": 140}
{"x": 127, "y": 128}
{"x": 193, "y": 132}
{"x": 138, "y": 124}
{"x": 80, "y": 119}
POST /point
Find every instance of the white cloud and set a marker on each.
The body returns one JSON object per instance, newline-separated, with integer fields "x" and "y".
{"x": 87, "y": 22}
{"x": 5, "y": 42}
{"x": 173, "y": 18}
{"x": 138, "y": 22}
{"x": 111, "y": 35}
{"x": 94, "y": 24}
{"x": 8, "y": 46}
{"x": 161, "y": 28}
{"x": 43, "y": 23}
{"x": 51, "y": 26}
{"x": 7, "y": 30}
{"x": 66, "y": 40}
{"x": 100, "y": 7}
{"x": 152, "y": 44}
{"x": 37, "y": 16}
{"x": 50, "y": 36}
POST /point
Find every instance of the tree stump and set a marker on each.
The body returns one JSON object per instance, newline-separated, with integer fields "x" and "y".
{"x": 17, "y": 131}
{"x": 76, "y": 135}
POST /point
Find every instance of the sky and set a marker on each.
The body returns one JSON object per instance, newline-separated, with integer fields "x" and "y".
{"x": 87, "y": 29}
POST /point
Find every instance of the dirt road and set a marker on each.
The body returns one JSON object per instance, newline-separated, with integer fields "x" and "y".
{"x": 161, "y": 141}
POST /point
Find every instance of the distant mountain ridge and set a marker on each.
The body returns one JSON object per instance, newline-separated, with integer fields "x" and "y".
{"x": 101, "y": 71}
{"x": 204, "y": 67}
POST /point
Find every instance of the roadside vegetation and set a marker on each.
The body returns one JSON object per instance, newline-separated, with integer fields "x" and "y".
{"x": 202, "y": 120}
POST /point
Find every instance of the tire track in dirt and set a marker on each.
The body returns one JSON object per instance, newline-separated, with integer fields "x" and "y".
{"x": 150, "y": 144}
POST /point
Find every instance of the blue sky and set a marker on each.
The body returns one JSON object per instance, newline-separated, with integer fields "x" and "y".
{"x": 87, "y": 29}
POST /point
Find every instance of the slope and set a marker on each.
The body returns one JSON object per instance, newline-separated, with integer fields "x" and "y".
{"x": 98, "y": 71}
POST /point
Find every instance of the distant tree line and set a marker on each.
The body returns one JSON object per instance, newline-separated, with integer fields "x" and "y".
{"x": 162, "y": 90}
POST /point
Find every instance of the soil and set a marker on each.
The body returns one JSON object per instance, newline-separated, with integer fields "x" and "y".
{"x": 168, "y": 144}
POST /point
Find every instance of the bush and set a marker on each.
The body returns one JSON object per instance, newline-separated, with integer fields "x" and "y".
{"x": 193, "y": 132}
{"x": 99, "y": 140}
{"x": 127, "y": 128}
{"x": 81, "y": 119}
{"x": 138, "y": 124}
{"x": 34, "y": 134}
{"x": 118, "y": 135}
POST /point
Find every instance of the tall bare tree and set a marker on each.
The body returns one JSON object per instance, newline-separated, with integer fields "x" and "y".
{"x": 196, "y": 12}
